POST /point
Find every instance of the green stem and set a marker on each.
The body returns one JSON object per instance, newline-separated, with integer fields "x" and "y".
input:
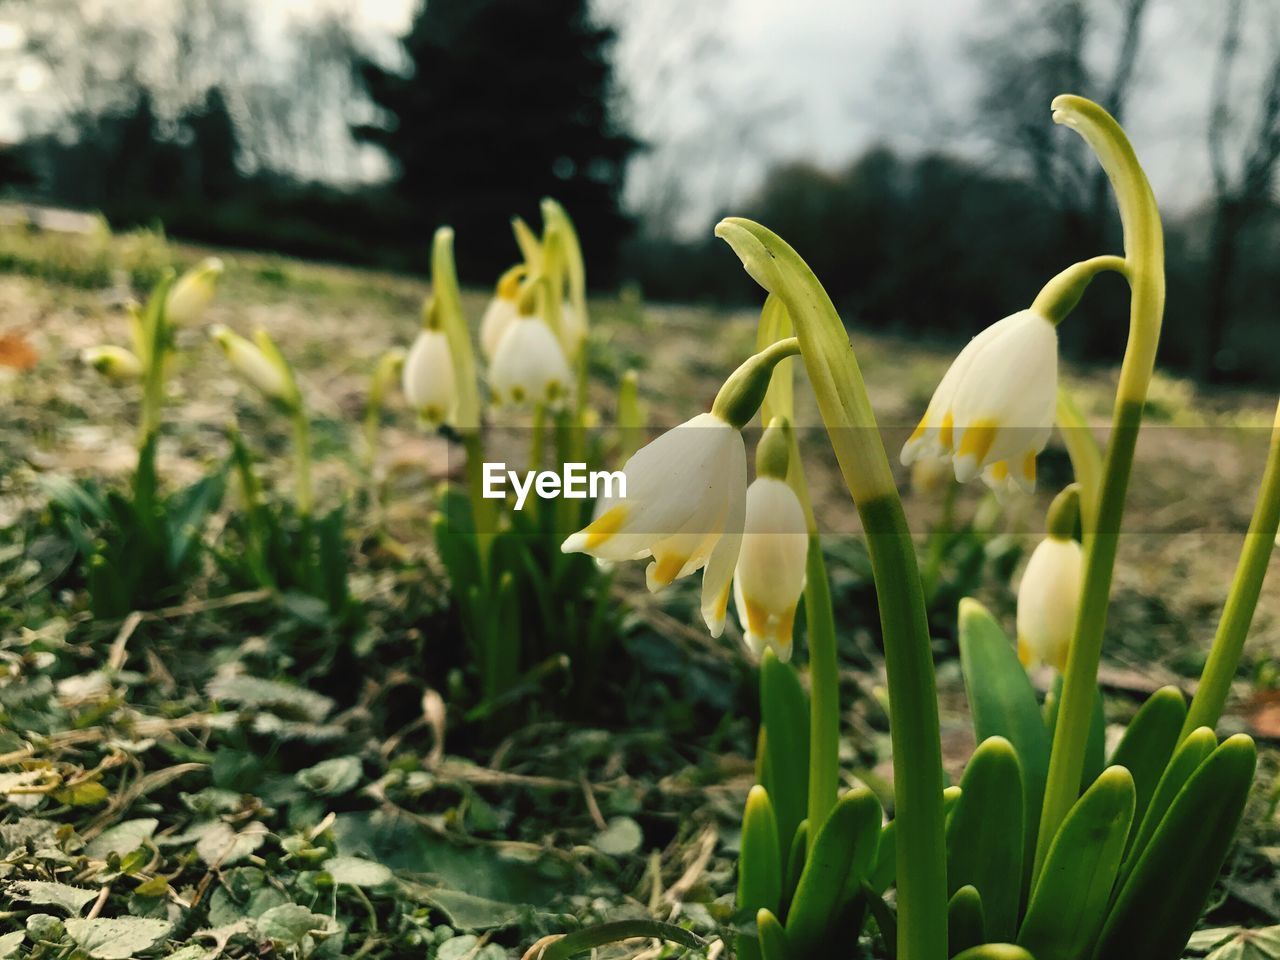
{"x": 302, "y": 459}
{"x": 537, "y": 441}
{"x": 913, "y": 705}
{"x": 824, "y": 668}
{"x": 1144, "y": 256}
{"x": 1242, "y": 600}
{"x": 483, "y": 513}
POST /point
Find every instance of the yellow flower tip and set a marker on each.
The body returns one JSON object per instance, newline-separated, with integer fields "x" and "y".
{"x": 1025, "y": 657}
{"x": 115, "y": 363}
{"x": 663, "y": 570}
{"x": 975, "y": 444}
{"x": 715, "y": 613}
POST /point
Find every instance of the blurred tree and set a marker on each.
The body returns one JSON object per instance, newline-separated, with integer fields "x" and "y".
{"x": 1242, "y": 185}
{"x": 500, "y": 103}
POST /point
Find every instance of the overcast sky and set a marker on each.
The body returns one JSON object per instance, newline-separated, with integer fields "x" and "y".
{"x": 723, "y": 88}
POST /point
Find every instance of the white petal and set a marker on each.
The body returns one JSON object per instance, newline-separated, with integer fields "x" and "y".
{"x": 428, "y": 377}
{"x": 529, "y": 365}
{"x": 1048, "y": 597}
{"x": 717, "y": 576}
{"x": 498, "y": 315}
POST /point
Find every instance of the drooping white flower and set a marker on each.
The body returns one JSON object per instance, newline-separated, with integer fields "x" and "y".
{"x": 192, "y": 293}
{"x": 770, "y": 574}
{"x": 428, "y": 378}
{"x": 1047, "y": 600}
{"x": 251, "y": 362}
{"x": 685, "y": 507}
{"x": 573, "y": 328}
{"x": 498, "y": 316}
{"x": 994, "y": 409}
{"x": 529, "y": 365}
{"x": 114, "y": 363}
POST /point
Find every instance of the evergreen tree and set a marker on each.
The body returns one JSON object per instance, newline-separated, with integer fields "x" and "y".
{"x": 504, "y": 102}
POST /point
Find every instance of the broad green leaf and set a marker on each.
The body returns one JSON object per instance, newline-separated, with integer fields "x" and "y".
{"x": 785, "y": 718}
{"x": 290, "y": 923}
{"x": 331, "y": 778}
{"x": 1149, "y": 741}
{"x": 221, "y": 845}
{"x": 1160, "y": 902}
{"x": 985, "y": 835}
{"x": 357, "y": 872}
{"x": 116, "y": 939}
{"x": 844, "y": 848}
{"x": 795, "y": 861}
{"x": 1069, "y": 903}
{"x": 965, "y": 920}
{"x": 469, "y": 912}
{"x": 995, "y": 951}
{"x": 45, "y": 893}
{"x": 773, "y": 938}
{"x": 1192, "y": 752}
{"x": 621, "y": 836}
{"x": 759, "y": 867}
{"x": 1250, "y": 945}
{"x": 885, "y": 871}
{"x": 122, "y": 838}
{"x": 1004, "y": 704}
{"x": 286, "y": 699}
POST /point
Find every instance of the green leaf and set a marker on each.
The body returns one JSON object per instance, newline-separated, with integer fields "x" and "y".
{"x": 1149, "y": 742}
{"x": 221, "y": 845}
{"x": 985, "y": 835}
{"x": 116, "y": 939}
{"x": 122, "y": 838}
{"x": 286, "y": 699}
{"x": 622, "y": 836}
{"x": 759, "y": 867}
{"x": 785, "y": 717}
{"x": 1160, "y": 903}
{"x": 795, "y": 861}
{"x": 885, "y": 871}
{"x": 1070, "y": 899}
{"x": 773, "y": 938}
{"x": 1192, "y": 752}
{"x": 44, "y": 893}
{"x": 965, "y": 920}
{"x": 1250, "y": 945}
{"x": 331, "y": 778}
{"x": 995, "y": 951}
{"x": 357, "y": 872}
{"x": 1004, "y": 704}
{"x": 843, "y": 851}
{"x": 290, "y": 923}
{"x": 469, "y": 912}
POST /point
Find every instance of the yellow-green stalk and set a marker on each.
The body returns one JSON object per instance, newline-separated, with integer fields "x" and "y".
{"x": 1144, "y": 269}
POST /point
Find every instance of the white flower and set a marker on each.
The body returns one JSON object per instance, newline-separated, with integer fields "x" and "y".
{"x": 252, "y": 363}
{"x": 498, "y": 316}
{"x": 114, "y": 363}
{"x": 573, "y": 328}
{"x": 529, "y": 365}
{"x": 685, "y": 507}
{"x": 428, "y": 378}
{"x": 770, "y": 574}
{"x": 1047, "y": 600}
{"x": 994, "y": 409}
{"x": 192, "y": 293}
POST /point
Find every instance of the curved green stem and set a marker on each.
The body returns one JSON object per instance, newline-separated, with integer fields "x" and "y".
{"x": 824, "y": 669}
{"x": 574, "y": 944}
{"x": 302, "y": 460}
{"x": 913, "y": 705}
{"x": 1144, "y": 256}
{"x": 1242, "y": 600}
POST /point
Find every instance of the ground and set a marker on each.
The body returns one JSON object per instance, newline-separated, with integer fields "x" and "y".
{"x": 158, "y": 763}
